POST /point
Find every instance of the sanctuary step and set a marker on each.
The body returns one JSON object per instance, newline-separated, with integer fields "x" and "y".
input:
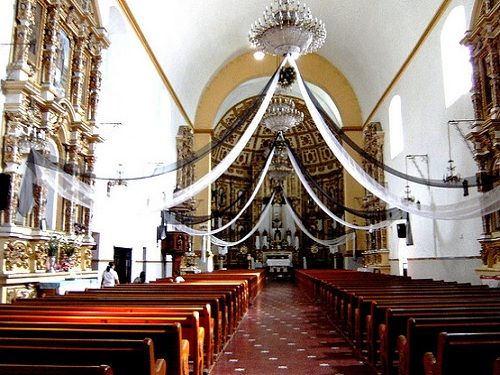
{"x": 285, "y": 332}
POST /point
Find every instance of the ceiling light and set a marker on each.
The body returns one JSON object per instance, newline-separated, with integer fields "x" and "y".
{"x": 281, "y": 115}
{"x": 287, "y": 28}
{"x": 258, "y": 55}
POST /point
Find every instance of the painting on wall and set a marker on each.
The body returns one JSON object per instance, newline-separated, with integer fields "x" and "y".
{"x": 61, "y": 75}
{"x": 36, "y": 31}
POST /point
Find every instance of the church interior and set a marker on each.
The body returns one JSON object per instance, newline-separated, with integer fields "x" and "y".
{"x": 274, "y": 150}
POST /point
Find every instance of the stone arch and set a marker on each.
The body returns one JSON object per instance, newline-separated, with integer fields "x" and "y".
{"x": 313, "y": 67}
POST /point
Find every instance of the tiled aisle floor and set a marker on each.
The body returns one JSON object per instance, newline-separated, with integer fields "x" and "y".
{"x": 285, "y": 333}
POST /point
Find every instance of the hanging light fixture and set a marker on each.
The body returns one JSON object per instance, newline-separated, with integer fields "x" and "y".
{"x": 280, "y": 166}
{"x": 288, "y": 27}
{"x": 281, "y": 114}
{"x": 120, "y": 181}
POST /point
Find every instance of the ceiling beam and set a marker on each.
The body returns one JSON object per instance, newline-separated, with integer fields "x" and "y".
{"x": 133, "y": 22}
{"x": 437, "y": 16}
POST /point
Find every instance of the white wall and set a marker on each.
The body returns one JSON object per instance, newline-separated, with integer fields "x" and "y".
{"x": 133, "y": 95}
{"x": 425, "y": 131}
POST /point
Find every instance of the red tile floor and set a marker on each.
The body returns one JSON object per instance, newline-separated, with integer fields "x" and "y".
{"x": 284, "y": 332}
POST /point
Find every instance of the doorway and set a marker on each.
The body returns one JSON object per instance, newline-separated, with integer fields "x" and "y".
{"x": 123, "y": 263}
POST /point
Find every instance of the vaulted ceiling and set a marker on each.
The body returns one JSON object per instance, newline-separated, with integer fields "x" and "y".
{"x": 368, "y": 41}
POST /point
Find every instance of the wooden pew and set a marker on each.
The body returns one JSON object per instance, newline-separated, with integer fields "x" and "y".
{"x": 190, "y": 327}
{"x": 379, "y": 309}
{"x": 126, "y": 357}
{"x": 422, "y": 334}
{"x": 224, "y": 303}
{"x": 97, "y": 309}
{"x": 54, "y": 370}
{"x": 167, "y": 338}
{"x": 219, "y": 321}
{"x": 463, "y": 353}
{"x": 396, "y": 321}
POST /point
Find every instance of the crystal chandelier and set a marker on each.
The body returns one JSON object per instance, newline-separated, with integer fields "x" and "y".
{"x": 280, "y": 166}
{"x": 281, "y": 115}
{"x": 288, "y": 28}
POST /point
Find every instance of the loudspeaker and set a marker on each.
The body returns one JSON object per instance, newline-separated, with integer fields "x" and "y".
{"x": 4, "y": 190}
{"x": 401, "y": 230}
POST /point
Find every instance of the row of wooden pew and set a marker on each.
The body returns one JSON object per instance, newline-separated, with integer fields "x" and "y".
{"x": 412, "y": 326}
{"x": 156, "y": 328}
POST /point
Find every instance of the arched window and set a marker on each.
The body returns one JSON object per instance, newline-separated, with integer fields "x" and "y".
{"x": 395, "y": 126}
{"x": 457, "y": 69}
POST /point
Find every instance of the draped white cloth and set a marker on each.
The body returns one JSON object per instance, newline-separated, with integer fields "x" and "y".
{"x": 190, "y": 191}
{"x": 467, "y": 208}
{"x": 263, "y": 215}
{"x": 197, "y": 232}
{"x": 42, "y": 172}
{"x": 312, "y": 194}
{"x": 65, "y": 185}
{"x": 332, "y": 242}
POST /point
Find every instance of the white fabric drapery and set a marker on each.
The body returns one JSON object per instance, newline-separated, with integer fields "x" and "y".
{"x": 312, "y": 194}
{"x": 190, "y": 191}
{"x": 263, "y": 215}
{"x": 197, "y": 232}
{"x": 467, "y": 208}
{"x": 332, "y": 242}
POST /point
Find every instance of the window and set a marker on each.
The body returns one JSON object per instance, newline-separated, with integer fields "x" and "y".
{"x": 457, "y": 69}
{"x": 395, "y": 126}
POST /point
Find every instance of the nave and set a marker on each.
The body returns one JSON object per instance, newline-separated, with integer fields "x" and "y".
{"x": 285, "y": 332}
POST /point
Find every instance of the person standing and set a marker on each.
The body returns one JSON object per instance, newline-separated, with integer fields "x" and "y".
{"x": 109, "y": 276}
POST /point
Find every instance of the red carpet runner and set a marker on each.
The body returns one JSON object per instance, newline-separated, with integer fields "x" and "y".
{"x": 285, "y": 333}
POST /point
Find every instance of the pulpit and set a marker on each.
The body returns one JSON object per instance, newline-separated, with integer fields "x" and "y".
{"x": 175, "y": 244}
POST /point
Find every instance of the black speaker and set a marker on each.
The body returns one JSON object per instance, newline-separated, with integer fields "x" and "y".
{"x": 401, "y": 230}
{"x": 4, "y": 190}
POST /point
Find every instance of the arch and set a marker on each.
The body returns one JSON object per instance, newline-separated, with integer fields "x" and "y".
{"x": 313, "y": 68}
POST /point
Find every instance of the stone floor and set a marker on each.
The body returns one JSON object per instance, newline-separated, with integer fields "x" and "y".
{"x": 284, "y": 332}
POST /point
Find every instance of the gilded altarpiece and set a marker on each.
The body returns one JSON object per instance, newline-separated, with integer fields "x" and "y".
{"x": 231, "y": 191}
{"x": 51, "y": 90}
{"x": 483, "y": 39}
{"x": 377, "y": 255}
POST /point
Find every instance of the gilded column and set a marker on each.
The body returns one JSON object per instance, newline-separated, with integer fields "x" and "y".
{"x": 19, "y": 69}
{"x": 94, "y": 86}
{"x": 11, "y": 162}
{"x": 78, "y": 75}
{"x": 50, "y": 46}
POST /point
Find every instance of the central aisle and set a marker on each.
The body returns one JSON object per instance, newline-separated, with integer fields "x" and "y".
{"x": 283, "y": 332}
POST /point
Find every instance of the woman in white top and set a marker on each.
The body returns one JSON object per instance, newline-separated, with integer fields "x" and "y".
{"x": 109, "y": 276}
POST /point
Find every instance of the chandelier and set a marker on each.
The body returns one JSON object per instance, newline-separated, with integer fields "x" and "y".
{"x": 281, "y": 115}
{"x": 120, "y": 181}
{"x": 280, "y": 166}
{"x": 288, "y": 28}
